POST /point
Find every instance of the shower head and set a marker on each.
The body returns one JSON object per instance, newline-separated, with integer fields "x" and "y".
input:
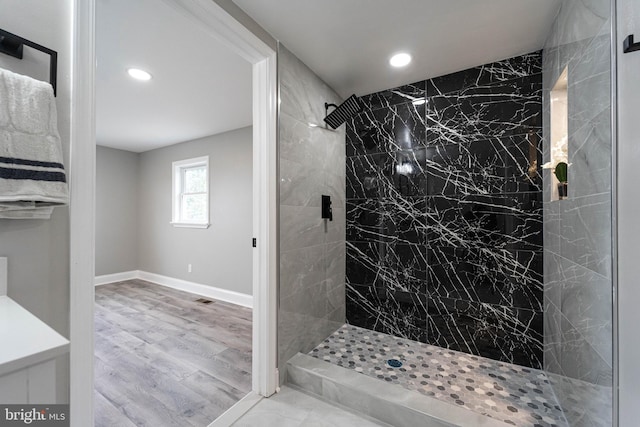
{"x": 343, "y": 112}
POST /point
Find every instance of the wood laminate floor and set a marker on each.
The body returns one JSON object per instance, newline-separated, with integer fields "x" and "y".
{"x": 163, "y": 359}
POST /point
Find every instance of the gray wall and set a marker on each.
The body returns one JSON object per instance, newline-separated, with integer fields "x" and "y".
{"x": 312, "y": 250}
{"x": 38, "y": 250}
{"x": 221, "y": 255}
{"x": 577, "y": 239}
{"x": 116, "y": 211}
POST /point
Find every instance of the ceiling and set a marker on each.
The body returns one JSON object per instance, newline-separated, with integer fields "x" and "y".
{"x": 348, "y": 43}
{"x": 199, "y": 86}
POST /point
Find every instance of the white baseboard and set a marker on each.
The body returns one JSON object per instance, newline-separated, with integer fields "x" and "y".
{"x": 116, "y": 277}
{"x": 181, "y": 285}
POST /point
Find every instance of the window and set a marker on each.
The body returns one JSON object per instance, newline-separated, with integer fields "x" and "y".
{"x": 191, "y": 193}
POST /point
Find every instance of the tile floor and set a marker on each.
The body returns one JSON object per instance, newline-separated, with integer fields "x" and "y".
{"x": 585, "y": 404}
{"x": 292, "y": 408}
{"x": 514, "y": 394}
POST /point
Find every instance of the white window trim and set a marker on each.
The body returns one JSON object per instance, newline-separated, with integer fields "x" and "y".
{"x": 176, "y": 179}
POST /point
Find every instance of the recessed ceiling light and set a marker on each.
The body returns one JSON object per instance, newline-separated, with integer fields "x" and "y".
{"x": 400, "y": 60}
{"x": 139, "y": 74}
{"x": 419, "y": 101}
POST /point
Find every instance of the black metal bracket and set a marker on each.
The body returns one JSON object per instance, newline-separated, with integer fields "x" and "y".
{"x": 629, "y": 46}
{"x": 13, "y": 45}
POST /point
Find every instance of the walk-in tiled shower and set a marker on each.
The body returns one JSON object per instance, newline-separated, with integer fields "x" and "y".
{"x": 470, "y": 277}
{"x": 444, "y": 211}
{"x": 517, "y": 395}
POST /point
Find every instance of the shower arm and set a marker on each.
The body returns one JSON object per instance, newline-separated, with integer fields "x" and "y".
{"x": 326, "y": 113}
{"x": 326, "y": 108}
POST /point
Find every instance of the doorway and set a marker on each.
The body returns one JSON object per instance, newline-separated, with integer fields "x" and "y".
{"x": 217, "y": 22}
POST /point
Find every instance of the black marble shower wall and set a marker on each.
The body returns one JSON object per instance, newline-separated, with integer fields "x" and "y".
{"x": 444, "y": 212}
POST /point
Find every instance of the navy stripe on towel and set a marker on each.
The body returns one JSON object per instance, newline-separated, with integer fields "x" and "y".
{"x": 14, "y": 161}
{"x": 34, "y": 175}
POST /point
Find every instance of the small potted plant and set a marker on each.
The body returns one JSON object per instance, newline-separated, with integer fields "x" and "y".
{"x": 561, "y": 173}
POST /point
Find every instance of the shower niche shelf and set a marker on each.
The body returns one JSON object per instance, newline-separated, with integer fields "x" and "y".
{"x": 559, "y": 147}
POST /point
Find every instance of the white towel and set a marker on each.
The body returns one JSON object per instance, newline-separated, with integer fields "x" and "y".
{"x": 32, "y": 176}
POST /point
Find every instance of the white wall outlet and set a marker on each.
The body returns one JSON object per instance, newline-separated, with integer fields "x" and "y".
{"x": 188, "y": 268}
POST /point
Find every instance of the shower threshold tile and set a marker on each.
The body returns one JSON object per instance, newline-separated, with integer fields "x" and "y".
{"x": 514, "y": 394}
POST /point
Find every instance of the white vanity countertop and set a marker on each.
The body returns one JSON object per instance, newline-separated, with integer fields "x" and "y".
{"x": 25, "y": 340}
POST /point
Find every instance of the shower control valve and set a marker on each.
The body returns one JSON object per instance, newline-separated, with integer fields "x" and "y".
{"x": 327, "y": 212}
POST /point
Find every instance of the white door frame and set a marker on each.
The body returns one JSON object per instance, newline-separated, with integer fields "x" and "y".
{"x": 211, "y": 17}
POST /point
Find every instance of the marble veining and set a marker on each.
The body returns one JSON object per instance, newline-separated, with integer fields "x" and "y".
{"x": 395, "y": 96}
{"x": 495, "y": 72}
{"x": 507, "y": 221}
{"x": 578, "y": 338}
{"x": 500, "y": 277}
{"x": 397, "y": 127}
{"x": 312, "y": 250}
{"x": 395, "y": 174}
{"x": 387, "y": 220}
{"x": 493, "y": 331}
{"x": 492, "y": 166}
{"x": 444, "y": 211}
{"x": 473, "y": 113}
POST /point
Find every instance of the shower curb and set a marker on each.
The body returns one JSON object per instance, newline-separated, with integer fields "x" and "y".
{"x": 389, "y": 403}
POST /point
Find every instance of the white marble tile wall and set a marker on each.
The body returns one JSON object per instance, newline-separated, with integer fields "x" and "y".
{"x": 312, "y": 250}
{"x": 577, "y": 231}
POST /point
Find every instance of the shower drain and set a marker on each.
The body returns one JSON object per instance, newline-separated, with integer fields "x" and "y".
{"x": 394, "y": 363}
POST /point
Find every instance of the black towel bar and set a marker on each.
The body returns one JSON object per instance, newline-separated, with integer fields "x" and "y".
{"x": 12, "y": 45}
{"x": 629, "y": 46}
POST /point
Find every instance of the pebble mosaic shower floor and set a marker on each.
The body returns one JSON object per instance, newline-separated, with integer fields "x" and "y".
{"x": 514, "y": 394}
